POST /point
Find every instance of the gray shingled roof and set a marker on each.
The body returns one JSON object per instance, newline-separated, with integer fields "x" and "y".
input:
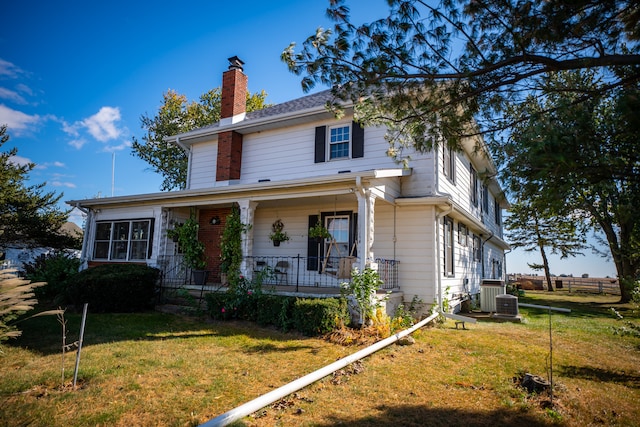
{"x": 310, "y": 101}
{"x": 299, "y": 104}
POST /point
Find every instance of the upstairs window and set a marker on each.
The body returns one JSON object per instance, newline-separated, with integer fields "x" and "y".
{"x": 474, "y": 186}
{"x": 339, "y": 138}
{"x": 485, "y": 199}
{"x": 497, "y": 212}
{"x": 449, "y": 163}
{"x": 123, "y": 240}
{"x": 338, "y": 142}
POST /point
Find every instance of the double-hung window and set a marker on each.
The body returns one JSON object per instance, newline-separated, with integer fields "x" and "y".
{"x": 476, "y": 248}
{"x": 448, "y": 246}
{"x": 473, "y": 184}
{"x": 497, "y": 212}
{"x": 463, "y": 234}
{"x": 449, "y": 163}
{"x": 338, "y": 245}
{"x": 123, "y": 240}
{"x": 339, "y": 139}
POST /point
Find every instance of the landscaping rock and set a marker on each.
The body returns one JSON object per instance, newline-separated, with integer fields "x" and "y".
{"x": 408, "y": 340}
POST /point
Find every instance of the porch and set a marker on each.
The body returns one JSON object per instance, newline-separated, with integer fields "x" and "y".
{"x": 281, "y": 274}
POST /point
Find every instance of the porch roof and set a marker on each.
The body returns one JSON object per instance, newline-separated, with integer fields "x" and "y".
{"x": 342, "y": 183}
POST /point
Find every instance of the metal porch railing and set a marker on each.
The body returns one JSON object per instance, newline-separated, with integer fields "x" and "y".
{"x": 301, "y": 271}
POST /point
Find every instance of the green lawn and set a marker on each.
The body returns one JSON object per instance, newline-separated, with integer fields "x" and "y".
{"x": 163, "y": 369}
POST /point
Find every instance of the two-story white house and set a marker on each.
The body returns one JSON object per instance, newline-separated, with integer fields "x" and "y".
{"x": 433, "y": 230}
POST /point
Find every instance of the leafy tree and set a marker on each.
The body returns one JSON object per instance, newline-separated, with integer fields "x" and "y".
{"x": 178, "y": 115}
{"x": 28, "y": 214}
{"x": 532, "y": 225}
{"x": 428, "y": 69}
{"x": 582, "y": 158}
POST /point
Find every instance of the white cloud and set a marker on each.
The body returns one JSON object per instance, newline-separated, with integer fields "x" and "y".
{"x": 9, "y": 69}
{"x": 17, "y": 121}
{"x": 12, "y": 96}
{"x": 63, "y": 184}
{"x": 70, "y": 129}
{"x": 24, "y": 89}
{"x": 78, "y": 143}
{"x": 19, "y": 160}
{"x": 103, "y": 125}
{"x": 46, "y": 165}
{"x": 114, "y": 148}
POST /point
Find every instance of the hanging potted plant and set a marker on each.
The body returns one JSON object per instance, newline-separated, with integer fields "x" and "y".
{"x": 319, "y": 232}
{"x": 194, "y": 250}
{"x": 277, "y": 235}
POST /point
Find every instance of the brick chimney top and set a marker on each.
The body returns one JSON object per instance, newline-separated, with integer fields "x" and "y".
{"x": 233, "y": 105}
{"x": 235, "y": 63}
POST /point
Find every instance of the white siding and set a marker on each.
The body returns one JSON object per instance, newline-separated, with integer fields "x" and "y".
{"x": 415, "y": 246}
{"x": 203, "y": 165}
{"x": 289, "y": 154}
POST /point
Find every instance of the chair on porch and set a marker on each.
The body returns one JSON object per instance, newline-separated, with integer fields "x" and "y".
{"x": 281, "y": 271}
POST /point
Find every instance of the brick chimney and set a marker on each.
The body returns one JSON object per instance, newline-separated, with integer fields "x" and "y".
{"x": 233, "y": 105}
{"x": 233, "y": 108}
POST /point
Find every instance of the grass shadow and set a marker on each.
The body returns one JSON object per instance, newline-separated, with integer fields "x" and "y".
{"x": 43, "y": 335}
{"x": 419, "y": 416}
{"x": 601, "y": 375}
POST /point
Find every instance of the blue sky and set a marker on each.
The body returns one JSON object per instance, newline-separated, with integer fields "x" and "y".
{"x": 76, "y": 76}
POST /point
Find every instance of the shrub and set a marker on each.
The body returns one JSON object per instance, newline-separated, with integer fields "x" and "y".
{"x": 319, "y": 316}
{"x": 56, "y": 269}
{"x": 276, "y": 310}
{"x": 115, "y": 288}
{"x": 309, "y": 316}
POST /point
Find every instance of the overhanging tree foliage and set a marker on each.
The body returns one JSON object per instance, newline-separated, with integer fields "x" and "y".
{"x": 430, "y": 68}
{"x": 583, "y": 158}
{"x": 178, "y": 115}
{"x": 28, "y": 214}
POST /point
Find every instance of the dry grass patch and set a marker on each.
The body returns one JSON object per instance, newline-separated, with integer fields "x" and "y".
{"x": 162, "y": 369}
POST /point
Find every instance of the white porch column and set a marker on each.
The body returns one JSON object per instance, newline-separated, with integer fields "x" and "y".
{"x": 366, "y": 226}
{"x": 247, "y": 211}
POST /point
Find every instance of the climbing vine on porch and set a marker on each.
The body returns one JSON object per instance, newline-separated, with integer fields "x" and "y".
{"x": 231, "y": 245}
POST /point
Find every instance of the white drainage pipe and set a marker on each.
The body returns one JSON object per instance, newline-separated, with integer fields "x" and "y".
{"x": 267, "y": 399}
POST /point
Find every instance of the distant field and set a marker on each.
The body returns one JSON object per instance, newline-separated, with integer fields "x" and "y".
{"x": 600, "y": 285}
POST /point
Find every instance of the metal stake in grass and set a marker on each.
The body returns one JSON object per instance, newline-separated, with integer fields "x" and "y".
{"x": 84, "y": 318}
{"x": 546, "y": 307}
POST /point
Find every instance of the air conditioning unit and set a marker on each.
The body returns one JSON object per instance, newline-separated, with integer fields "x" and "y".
{"x": 489, "y": 290}
{"x": 507, "y": 305}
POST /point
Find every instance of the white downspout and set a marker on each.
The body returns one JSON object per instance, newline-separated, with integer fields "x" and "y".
{"x": 86, "y": 233}
{"x": 189, "y": 156}
{"x": 266, "y": 399}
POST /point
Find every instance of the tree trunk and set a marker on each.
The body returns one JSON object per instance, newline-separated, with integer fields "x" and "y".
{"x": 625, "y": 267}
{"x": 545, "y": 263}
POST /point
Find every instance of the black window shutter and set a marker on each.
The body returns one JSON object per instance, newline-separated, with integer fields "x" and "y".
{"x": 357, "y": 147}
{"x": 321, "y": 141}
{"x": 312, "y": 247}
{"x": 353, "y": 238}
{"x": 151, "y": 231}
